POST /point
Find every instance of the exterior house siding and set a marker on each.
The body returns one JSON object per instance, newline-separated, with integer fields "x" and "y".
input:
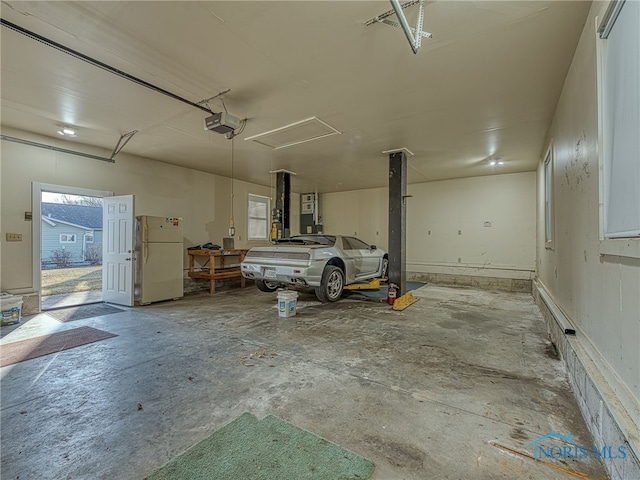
{"x": 51, "y": 241}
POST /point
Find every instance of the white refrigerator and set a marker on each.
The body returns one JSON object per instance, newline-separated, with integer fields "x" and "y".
{"x": 159, "y": 259}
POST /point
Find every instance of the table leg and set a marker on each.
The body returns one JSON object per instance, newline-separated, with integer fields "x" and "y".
{"x": 212, "y": 271}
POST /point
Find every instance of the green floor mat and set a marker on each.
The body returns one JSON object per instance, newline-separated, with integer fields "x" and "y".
{"x": 267, "y": 449}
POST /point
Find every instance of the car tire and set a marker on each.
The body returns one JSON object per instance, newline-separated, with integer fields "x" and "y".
{"x": 265, "y": 286}
{"x": 384, "y": 272}
{"x": 332, "y": 284}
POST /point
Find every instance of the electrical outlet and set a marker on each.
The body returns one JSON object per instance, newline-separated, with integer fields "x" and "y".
{"x": 14, "y": 237}
{"x": 487, "y": 224}
{"x": 459, "y": 259}
{"x": 459, "y": 232}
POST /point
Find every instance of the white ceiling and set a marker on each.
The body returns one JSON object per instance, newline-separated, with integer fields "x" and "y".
{"x": 485, "y": 86}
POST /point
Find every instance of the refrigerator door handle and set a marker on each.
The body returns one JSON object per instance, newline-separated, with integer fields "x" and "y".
{"x": 145, "y": 252}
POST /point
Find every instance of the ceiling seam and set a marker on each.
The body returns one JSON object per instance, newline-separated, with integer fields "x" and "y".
{"x": 99, "y": 64}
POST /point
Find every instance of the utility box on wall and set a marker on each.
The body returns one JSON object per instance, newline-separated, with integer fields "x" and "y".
{"x": 309, "y": 218}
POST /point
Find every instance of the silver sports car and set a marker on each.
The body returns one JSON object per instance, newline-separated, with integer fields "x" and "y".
{"x": 324, "y": 263}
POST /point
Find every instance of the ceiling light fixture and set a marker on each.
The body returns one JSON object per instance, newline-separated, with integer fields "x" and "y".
{"x": 493, "y": 163}
{"x": 67, "y": 132}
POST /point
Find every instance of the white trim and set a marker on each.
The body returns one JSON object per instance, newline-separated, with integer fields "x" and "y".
{"x": 549, "y": 197}
{"x": 267, "y": 201}
{"x": 618, "y": 167}
{"x": 619, "y": 401}
{"x": 463, "y": 269}
{"x": 64, "y": 242}
{"x": 36, "y": 227}
{"x": 66, "y": 223}
{"x": 332, "y": 131}
{"x": 475, "y": 266}
{"x": 621, "y": 247}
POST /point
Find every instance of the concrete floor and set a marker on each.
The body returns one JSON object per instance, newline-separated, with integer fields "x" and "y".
{"x": 455, "y": 387}
{"x": 64, "y": 300}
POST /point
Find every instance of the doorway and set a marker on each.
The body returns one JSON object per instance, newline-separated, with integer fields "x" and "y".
{"x": 67, "y": 245}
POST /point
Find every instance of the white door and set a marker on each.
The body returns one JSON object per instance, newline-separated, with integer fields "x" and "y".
{"x": 367, "y": 261}
{"x": 118, "y": 250}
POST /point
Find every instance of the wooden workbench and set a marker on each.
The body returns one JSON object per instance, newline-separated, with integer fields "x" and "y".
{"x": 216, "y": 272}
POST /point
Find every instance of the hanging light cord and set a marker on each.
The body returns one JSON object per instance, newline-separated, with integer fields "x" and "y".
{"x": 232, "y": 144}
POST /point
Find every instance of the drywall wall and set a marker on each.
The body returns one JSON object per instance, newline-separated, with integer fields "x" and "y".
{"x": 203, "y": 200}
{"x": 446, "y": 232}
{"x": 595, "y": 288}
{"x": 360, "y": 213}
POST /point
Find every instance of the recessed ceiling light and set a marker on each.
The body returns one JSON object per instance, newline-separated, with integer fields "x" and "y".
{"x": 495, "y": 162}
{"x": 67, "y": 132}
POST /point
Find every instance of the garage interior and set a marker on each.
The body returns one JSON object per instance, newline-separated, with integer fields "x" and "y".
{"x": 529, "y": 320}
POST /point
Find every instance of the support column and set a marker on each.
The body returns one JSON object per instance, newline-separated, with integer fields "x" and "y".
{"x": 282, "y": 209}
{"x": 397, "y": 220}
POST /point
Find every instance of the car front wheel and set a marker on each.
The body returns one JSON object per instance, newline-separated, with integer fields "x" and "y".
{"x": 385, "y": 268}
{"x": 265, "y": 286}
{"x": 332, "y": 284}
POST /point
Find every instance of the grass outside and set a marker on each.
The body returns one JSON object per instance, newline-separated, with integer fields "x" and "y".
{"x": 69, "y": 280}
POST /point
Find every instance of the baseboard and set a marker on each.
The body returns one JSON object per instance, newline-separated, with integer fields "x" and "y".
{"x": 486, "y": 283}
{"x": 607, "y": 417}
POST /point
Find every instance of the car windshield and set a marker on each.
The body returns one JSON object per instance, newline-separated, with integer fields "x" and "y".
{"x": 328, "y": 240}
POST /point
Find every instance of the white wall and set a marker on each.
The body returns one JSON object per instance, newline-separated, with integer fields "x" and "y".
{"x": 598, "y": 292}
{"x": 360, "y": 213}
{"x": 437, "y": 211}
{"x": 201, "y": 199}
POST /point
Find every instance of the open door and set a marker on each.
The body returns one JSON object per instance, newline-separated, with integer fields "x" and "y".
{"x": 118, "y": 250}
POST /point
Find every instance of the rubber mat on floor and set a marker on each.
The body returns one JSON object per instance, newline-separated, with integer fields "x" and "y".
{"x": 83, "y": 311}
{"x": 22, "y": 350}
{"x": 267, "y": 449}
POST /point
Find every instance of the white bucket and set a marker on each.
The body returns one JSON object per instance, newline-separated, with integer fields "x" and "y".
{"x": 287, "y": 302}
{"x": 10, "y": 308}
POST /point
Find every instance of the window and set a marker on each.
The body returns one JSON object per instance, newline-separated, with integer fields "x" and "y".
{"x": 548, "y": 199}
{"x": 258, "y": 217}
{"x": 620, "y": 117}
{"x": 67, "y": 238}
{"x": 351, "y": 243}
{"x": 328, "y": 240}
{"x": 88, "y": 237}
